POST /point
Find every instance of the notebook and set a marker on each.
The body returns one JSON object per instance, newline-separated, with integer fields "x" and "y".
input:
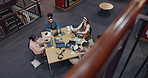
{"x": 60, "y": 45}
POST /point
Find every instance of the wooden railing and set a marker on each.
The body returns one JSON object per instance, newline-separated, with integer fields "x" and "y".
{"x": 7, "y": 3}
{"x": 93, "y": 62}
{"x": 14, "y": 21}
{"x": 23, "y": 9}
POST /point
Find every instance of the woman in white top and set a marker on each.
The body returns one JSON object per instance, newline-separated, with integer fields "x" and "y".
{"x": 84, "y": 28}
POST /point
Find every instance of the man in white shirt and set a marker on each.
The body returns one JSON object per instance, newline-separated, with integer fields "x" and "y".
{"x": 86, "y": 48}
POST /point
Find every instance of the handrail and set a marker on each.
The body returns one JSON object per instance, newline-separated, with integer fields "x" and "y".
{"x": 20, "y": 10}
{"x": 91, "y": 64}
{"x": 7, "y": 3}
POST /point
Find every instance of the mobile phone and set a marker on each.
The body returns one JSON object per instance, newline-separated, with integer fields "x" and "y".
{"x": 81, "y": 37}
{"x": 46, "y": 40}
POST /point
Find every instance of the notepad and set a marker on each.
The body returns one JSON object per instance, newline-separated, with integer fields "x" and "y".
{"x": 72, "y": 53}
{"x": 35, "y": 63}
{"x": 77, "y": 39}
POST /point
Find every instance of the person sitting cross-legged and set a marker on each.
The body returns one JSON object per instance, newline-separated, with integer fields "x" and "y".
{"x": 84, "y": 28}
{"x": 86, "y": 48}
{"x": 37, "y": 47}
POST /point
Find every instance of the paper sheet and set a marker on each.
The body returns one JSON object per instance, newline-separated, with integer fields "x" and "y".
{"x": 77, "y": 39}
{"x": 69, "y": 28}
{"x": 72, "y": 53}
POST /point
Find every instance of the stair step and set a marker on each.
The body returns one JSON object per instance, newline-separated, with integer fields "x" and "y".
{"x": 6, "y": 14}
{"x": 9, "y": 19}
{"x": 12, "y": 27}
{"x": 2, "y": 11}
{"x": 28, "y": 13}
{"x": 13, "y": 22}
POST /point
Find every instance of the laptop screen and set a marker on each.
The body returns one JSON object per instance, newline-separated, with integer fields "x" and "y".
{"x": 50, "y": 43}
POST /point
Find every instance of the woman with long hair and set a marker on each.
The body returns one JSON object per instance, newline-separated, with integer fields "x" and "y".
{"x": 84, "y": 28}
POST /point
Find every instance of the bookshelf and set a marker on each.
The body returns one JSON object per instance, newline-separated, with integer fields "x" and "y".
{"x": 65, "y": 5}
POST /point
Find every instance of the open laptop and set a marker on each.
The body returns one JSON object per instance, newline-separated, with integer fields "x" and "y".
{"x": 50, "y": 43}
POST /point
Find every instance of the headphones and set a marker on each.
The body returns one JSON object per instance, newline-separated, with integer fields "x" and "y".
{"x": 50, "y": 17}
{"x": 85, "y": 18}
{"x": 60, "y": 56}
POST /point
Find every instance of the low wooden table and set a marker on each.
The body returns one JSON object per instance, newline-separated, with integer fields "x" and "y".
{"x": 105, "y": 9}
{"x": 51, "y": 52}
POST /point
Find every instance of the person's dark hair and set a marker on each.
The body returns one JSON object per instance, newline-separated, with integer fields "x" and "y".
{"x": 50, "y": 15}
{"x": 32, "y": 37}
{"x": 85, "y": 44}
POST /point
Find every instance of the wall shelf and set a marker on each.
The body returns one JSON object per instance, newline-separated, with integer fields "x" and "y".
{"x": 65, "y": 5}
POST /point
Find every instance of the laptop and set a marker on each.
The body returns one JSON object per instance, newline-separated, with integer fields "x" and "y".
{"x": 50, "y": 43}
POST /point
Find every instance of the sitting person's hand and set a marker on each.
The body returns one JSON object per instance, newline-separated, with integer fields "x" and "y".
{"x": 78, "y": 32}
{"x": 80, "y": 55}
{"x": 59, "y": 31}
{"x": 74, "y": 30}
{"x": 51, "y": 31}
{"x": 46, "y": 42}
{"x": 45, "y": 45}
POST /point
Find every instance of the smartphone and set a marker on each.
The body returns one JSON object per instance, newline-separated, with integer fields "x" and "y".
{"x": 81, "y": 37}
{"x": 46, "y": 40}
